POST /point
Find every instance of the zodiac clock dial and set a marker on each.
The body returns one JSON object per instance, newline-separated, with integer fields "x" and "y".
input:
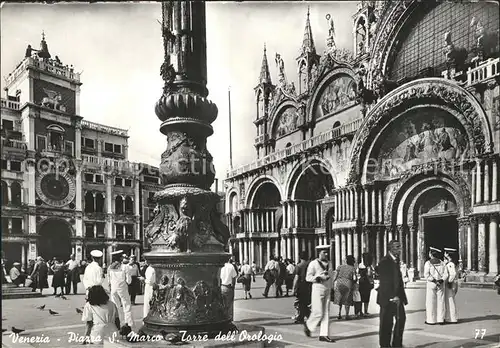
{"x": 55, "y": 189}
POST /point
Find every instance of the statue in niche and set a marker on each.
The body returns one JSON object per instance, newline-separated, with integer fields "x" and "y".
{"x": 449, "y": 49}
{"x": 280, "y": 65}
{"x": 202, "y": 296}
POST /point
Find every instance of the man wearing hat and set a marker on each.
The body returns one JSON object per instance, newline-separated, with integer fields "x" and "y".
{"x": 119, "y": 279}
{"x": 16, "y": 276}
{"x": 436, "y": 274}
{"x": 391, "y": 297}
{"x": 451, "y": 289}
{"x": 318, "y": 274}
{"x": 93, "y": 272}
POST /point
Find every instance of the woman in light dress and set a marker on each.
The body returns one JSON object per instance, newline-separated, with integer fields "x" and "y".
{"x": 100, "y": 315}
{"x": 345, "y": 277}
{"x": 436, "y": 274}
{"x": 451, "y": 289}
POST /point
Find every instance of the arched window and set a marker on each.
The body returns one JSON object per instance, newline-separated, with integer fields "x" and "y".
{"x": 118, "y": 205}
{"x": 99, "y": 203}
{"x": 336, "y": 124}
{"x": 129, "y": 231}
{"x": 56, "y": 137}
{"x": 129, "y": 205}
{"x": 89, "y": 202}
{"x": 5, "y": 194}
{"x": 15, "y": 189}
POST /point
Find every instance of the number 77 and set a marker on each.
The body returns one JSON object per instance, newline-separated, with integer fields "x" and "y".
{"x": 480, "y": 331}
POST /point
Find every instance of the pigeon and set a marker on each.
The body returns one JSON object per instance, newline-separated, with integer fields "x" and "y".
{"x": 171, "y": 337}
{"x": 3, "y": 330}
{"x": 79, "y": 311}
{"x": 17, "y": 331}
{"x": 125, "y": 330}
{"x": 64, "y": 297}
{"x": 52, "y": 312}
{"x": 41, "y": 307}
{"x": 58, "y": 295}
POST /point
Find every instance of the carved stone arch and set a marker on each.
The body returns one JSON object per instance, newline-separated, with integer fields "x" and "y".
{"x": 276, "y": 113}
{"x": 40, "y": 223}
{"x": 233, "y": 192}
{"x": 301, "y": 167}
{"x": 406, "y": 185}
{"x": 323, "y": 82}
{"x": 55, "y": 128}
{"x": 390, "y": 23}
{"x": 256, "y": 183}
{"x": 410, "y": 220}
{"x": 432, "y": 92}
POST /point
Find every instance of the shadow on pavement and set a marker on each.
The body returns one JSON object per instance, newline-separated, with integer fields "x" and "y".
{"x": 487, "y": 341}
{"x": 487, "y": 317}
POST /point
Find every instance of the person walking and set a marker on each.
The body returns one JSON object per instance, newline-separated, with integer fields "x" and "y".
{"x": 436, "y": 274}
{"x": 73, "y": 274}
{"x": 59, "y": 279}
{"x": 302, "y": 289}
{"x": 40, "y": 275}
{"x": 345, "y": 277}
{"x": 451, "y": 288}
{"x": 281, "y": 277}
{"x": 319, "y": 275}
{"x": 119, "y": 279}
{"x": 271, "y": 273}
{"x": 93, "y": 272}
{"x": 227, "y": 281}
{"x": 290, "y": 273}
{"x": 366, "y": 281}
{"x": 149, "y": 286}
{"x": 391, "y": 298}
{"x": 134, "y": 287}
{"x": 246, "y": 272}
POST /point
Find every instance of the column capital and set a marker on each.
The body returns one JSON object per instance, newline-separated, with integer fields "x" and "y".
{"x": 463, "y": 221}
{"x": 482, "y": 218}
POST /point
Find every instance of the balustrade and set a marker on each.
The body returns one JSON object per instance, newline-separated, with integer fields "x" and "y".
{"x": 10, "y": 104}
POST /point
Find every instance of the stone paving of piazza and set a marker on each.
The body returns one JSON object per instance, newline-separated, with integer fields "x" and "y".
{"x": 479, "y": 310}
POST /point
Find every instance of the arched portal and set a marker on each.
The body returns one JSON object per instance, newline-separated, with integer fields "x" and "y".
{"x": 55, "y": 239}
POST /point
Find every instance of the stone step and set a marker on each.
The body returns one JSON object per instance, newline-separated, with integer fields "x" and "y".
{"x": 27, "y": 294}
{"x": 14, "y": 290}
{"x": 478, "y": 285}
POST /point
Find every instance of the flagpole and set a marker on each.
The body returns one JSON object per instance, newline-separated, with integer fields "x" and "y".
{"x": 230, "y": 130}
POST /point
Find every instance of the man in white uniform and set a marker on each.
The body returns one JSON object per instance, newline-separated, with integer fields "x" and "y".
{"x": 150, "y": 282}
{"x": 119, "y": 279}
{"x": 93, "y": 272}
{"x": 318, "y": 274}
{"x": 227, "y": 281}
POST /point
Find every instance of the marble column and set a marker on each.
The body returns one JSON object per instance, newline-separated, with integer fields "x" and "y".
{"x": 494, "y": 180}
{"x": 261, "y": 255}
{"x": 296, "y": 214}
{"x": 251, "y": 257}
{"x": 276, "y": 245}
{"x": 349, "y": 242}
{"x": 380, "y": 207}
{"x": 479, "y": 185}
{"x": 268, "y": 249}
{"x": 356, "y": 204}
{"x": 470, "y": 230}
{"x": 374, "y": 206}
{"x": 296, "y": 248}
{"x": 338, "y": 254}
{"x": 245, "y": 250}
{"x": 355, "y": 240}
{"x": 336, "y": 216}
{"x": 349, "y": 202}
{"x": 364, "y": 237}
{"x": 481, "y": 245}
{"x": 474, "y": 232}
{"x": 462, "y": 238}
{"x": 487, "y": 181}
{"x": 273, "y": 226}
{"x": 473, "y": 187}
{"x": 310, "y": 248}
{"x": 344, "y": 244}
{"x": 377, "y": 243}
{"x": 318, "y": 215}
{"x": 367, "y": 206}
{"x": 412, "y": 252}
{"x": 493, "y": 246}
{"x": 289, "y": 247}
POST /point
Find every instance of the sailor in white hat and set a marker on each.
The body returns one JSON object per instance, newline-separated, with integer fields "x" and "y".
{"x": 119, "y": 279}
{"x": 16, "y": 276}
{"x": 436, "y": 274}
{"x": 93, "y": 272}
{"x": 318, "y": 273}
{"x": 451, "y": 288}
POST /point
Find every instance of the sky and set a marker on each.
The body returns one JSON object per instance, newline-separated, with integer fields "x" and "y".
{"x": 118, "y": 48}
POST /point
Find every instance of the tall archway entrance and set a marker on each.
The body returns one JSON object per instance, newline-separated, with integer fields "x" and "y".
{"x": 55, "y": 240}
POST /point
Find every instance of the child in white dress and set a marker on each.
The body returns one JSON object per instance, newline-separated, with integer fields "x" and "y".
{"x": 101, "y": 316}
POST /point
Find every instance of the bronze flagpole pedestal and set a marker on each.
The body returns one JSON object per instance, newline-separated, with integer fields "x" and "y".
{"x": 186, "y": 236}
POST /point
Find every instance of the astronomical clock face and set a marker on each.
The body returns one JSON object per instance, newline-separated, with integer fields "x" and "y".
{"x": 57, "y": 190}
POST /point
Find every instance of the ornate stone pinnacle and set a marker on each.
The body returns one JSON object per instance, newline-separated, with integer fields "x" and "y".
{"x": 186, "y": 235}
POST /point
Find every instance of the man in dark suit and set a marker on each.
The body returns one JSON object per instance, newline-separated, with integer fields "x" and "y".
{"x": 391, "y": 298}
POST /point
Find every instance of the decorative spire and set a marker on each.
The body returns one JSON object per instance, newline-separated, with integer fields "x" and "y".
{"x": 44, "y": 49}
{"x": 265, "y": 76}
{"x": 308, "y": 41}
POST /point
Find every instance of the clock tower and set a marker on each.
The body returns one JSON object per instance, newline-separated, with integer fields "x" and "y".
{"x": 48, "y": 95}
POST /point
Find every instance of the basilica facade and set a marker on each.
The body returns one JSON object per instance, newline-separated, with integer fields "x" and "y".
{"x": 67, "y": 184}
{"x": 397, "y": 138}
